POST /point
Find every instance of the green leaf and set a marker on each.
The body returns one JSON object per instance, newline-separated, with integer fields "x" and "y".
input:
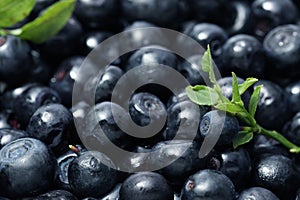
{"x": 254, "y": 100}
{"x": 49, "y": 23}
{"x": 241, "y": 138}
{"x": 231, "y": 108}
{"x": 207, "y": 65}
{"x": 13, "y": 11}
{"x": 248, "y": 83}
{"x": 235, "y": 90}
{"x": 202, "y": 95}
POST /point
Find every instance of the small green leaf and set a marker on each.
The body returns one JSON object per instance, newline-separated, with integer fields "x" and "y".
{"x": 235, "y": 89}
{"x": 248, "y": 83}
{"x": 207, "y": 65}
{"x": 49, "y": 23}
{"x": 202, "y": 95}
{"x": 13, "y": 11}
{"x": 254, "y": 100}
{"x": 241, "y": 138}
{"x": 231, "y": 108}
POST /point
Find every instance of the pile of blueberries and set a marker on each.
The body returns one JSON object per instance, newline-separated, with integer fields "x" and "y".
{"x": 253, "y": 38}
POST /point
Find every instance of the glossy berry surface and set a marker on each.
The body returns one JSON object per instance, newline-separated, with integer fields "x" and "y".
{"x": 52, "y": 124}
{"x": 215, "y": 121}
{"x": 92, "y": 174}
{"x": 293, "y": 92}
{"x": 257, "y": 193}
{"x": 56, "y": 194}
{"x": 209, "y": 185}
{"x": 8, "y": 135}
{"x": 292, "y": 129}
{"x": 146, "y": 186}
{"x": 27, "y": 168}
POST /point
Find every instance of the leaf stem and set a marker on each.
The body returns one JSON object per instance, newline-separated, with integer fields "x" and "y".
{"x": 280, "y": 138}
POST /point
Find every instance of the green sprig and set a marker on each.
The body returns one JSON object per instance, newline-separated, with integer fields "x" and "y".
{"x": 212, "y": 96}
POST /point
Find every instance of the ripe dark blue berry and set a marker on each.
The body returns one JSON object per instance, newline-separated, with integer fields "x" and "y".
{"x": 27, "y": 168}
{"x": 92, "y": 174}
{"x": 208, "y": 185}
{"x": 146, "y": 186}
{"x": 56, "y": 194}
{"x": 8, "y": 135}
{"x": 293, "y": 92}
{"x": 257, "y": 193}
{"x": 292, "y": 129}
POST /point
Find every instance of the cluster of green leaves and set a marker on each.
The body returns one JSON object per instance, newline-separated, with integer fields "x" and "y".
{"x": 40, "y": 29}
{"x": 212, "y": 96}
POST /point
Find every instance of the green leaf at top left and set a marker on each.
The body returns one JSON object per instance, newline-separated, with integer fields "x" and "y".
{"x": 14, "y": 11}
{"x": 48, "y": 24}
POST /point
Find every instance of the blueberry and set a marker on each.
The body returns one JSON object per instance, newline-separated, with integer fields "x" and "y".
{"x": 183, "y": 120}
{"x": 92, "y": 39}
{"x": 257, "y": 193}
{"x": 56, "y": 194}
{"x": 237, "y": 166}
{"x": 53, "y": 125}
{"x": 15, "y": 60}
{"x": 64, "y": 77}
{"x": 114, "y": 194}
{"x": 293, "y": 92}
{"x": 191, "y": 69}
{"x": 65, "y": 43}
{"x": 27, "y": 168}
{"x": 211, "y": 123}
{"x": 292, "y": 129}
{"x": 146, "y": 186}
{"x": 101, "y": 116}
{"x": 177, "y": 171}
{"x": 92, "y": 174}
{"x": 154, "y": 11}
{"x": 271, "y": 13}
{"x": 243, "y": 55}
{"x": 209, "y": 185}
{"x": 206, "y": 33}
{"x": 181, "y": 96}
{"x": 278, "y": 174}
{"x": 272, "y": 110}
{"x": 64, "y": 161}
{"x": 30, "y": 100}
{"x": 97, "y": 13}
{"x": 104, "y": 85}
{"x": 146, "y": 108}
{"x": 8, "y": 135}
{"x": 282, "y": 47}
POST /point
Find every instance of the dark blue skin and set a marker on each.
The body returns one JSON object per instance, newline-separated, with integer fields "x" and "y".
{"x": 178, "y": 171}
{"x": 206, "y": 33}
{"x": 65, "y": 43}
{"x": 97, "y": 13}
{"x": 154, "y": 11}
{"x": 214, "y": 119}
{"x": 243, "y": 55}
{"x": 92, "y": 174}
{"x": 30, "y": 100}
{"x": 181, "y": 96}
{"x": 192, "y": 71}
{"x": 257, "y": 193}
{"x": 208, "y": 185}
{"x": 63, "y": 79}
{"x": 237, "y": 166}
{"x": 5, "y": 120}
{"x": 114, "y": 194}
{"x": 104, "y": 84}
{"x": 271, "y": 13}
{"x": 15, "y": 60}
{"x": 226, "y": 86}
{"x": 282, "y": 48}
{"x": 52, "y": 124}
{"x": 64, "y": 161}
{"x": 27, "y": 168}
{"x": 8, "y": 135}
{"x": 272, "y": 110}
{"x": 184, "y": 112}
{"x": 92, "y": 39}
{"x": 278, "y": 174}
{"x": 292, "y": 129}
{"x": 146, "y": 186}
{"x": 293, "y": 92}
{"x": 56, "y": 194}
